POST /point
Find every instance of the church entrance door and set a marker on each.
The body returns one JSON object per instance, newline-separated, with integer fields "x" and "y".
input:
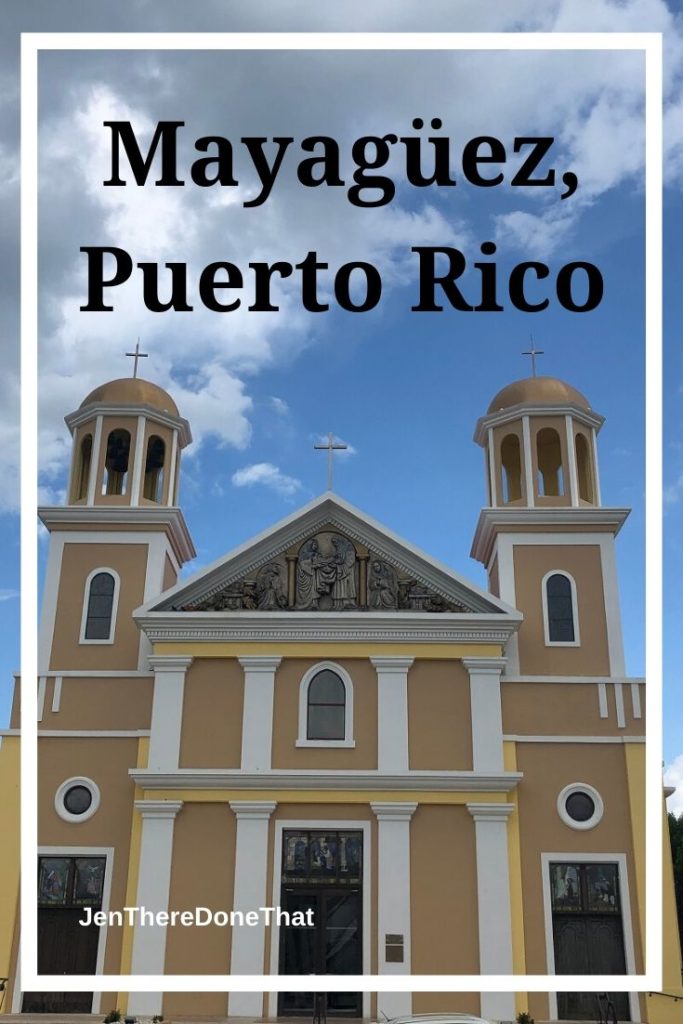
{"x": 588, "y": 934}
{"x": 66, "y": 886}
{"x": 322, "y": 884}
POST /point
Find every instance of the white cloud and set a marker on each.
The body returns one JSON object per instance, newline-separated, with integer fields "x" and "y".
{"x": 673, "y": 776}
{"x": 8, "y": 595}
{"x": 279, "y": 405}
{"x": 269, "y": 475}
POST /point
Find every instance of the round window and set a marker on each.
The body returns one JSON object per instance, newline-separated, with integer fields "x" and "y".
{"x": 580, "y": 806}
{"x": 77, "y": 799}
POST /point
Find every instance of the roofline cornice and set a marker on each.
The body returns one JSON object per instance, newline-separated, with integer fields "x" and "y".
{"x": 514, "y": 412}
{"x": 320, "y": 627}
{"x": 105, "y": 515}
{"x": 493, "y": 520}
{"x": 235, "y": 778}
{"x": 179, "y": 423}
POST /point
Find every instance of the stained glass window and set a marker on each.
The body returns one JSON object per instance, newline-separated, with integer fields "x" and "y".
{"x": 311, "y": 857}
{"x": 560, "y": 609}
{"x": 70, "y": 881}
{"x": 89, "y": 877}
{"x": 100, "y": 607}
{"x": 585, "y": 888}
{"x": 53, "y": 878}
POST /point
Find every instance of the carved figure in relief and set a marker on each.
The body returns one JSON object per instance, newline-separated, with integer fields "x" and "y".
{"x": 270, "y": 588}
{"x": 382, "y": 586}
{"x": 326, "y": 573}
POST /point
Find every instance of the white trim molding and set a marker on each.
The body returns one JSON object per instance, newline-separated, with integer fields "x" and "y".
{"x": 625, "y": 899}
{"x": 576, "y": 642}
{"x": 493, "y": 902}
{"x": 82, "y": 639}
{"x": 392, "y": 712}
{"x": 251, "y": 869}
{"x": 598, "y": 805}
{"x": 154, "y": 884}
{"x": 306, "y": 680}
{"x": 63, "y": 789}
{"x": 393, "y": 896}
{"x": 257, "y": 716}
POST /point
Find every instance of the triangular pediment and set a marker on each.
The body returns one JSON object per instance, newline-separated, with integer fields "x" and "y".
{"x": 327, "y": 557}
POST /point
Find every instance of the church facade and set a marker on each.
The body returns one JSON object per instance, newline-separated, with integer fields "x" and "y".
{"x": 383, "y": 767}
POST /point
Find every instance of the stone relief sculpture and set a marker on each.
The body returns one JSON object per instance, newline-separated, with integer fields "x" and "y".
{"x": 326, "y": 573}
{"x": 382, "y": 586}
{"x": 271, "y": 587}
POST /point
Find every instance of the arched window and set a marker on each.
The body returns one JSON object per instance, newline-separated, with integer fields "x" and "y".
{"x": 583, "y": 468}
{"x": 326, "y": 707}
{"x": 99, "y": 607}
{"x": 511, "y": 462}
{"x": 153, "y": 487}
{"x": 549, "y": 460}
{"x": 116, "y": 462}
{"x": 560, "y": 609}
{"x": 85, "y": 458}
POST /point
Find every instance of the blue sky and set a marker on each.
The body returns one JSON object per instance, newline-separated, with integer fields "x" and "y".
{"x": 403, "y": 389}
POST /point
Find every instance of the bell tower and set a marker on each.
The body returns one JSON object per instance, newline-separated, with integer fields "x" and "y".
{"x": 120, "y": 539}
{"x": 545, "y": 538}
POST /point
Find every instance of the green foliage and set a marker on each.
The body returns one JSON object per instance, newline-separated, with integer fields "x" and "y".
{"x": 676, "y": 835}
{"x": 524, "y": 1018}
{"x": 112, "y": 1017}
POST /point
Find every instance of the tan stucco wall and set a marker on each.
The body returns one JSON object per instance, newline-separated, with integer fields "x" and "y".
{"x": 166, "y": 435}
{"x": 286, "y": 714}
{"x": 99, "y": 703}
{"x": 566, "y": 709}
{"x": 170, "y": 575}
{"x": 130, "y": 562}
{"x": 106, "y": 762}
{"x": 202, "y": 875}
{"x": 582, "y": 561}
{"x": 499, "y": 435}
{"x": 212, "y": 714}
{"x": 443, "y": 902}
{"x": 547, "y": 769}
{"x": 557, "y": 423}
{"x": 439, "y": 732}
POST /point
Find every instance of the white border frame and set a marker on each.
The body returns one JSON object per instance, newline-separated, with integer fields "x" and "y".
{"x": 93, "y": 789}
{"x": 306, "y": 680}
{"x": 629, "y": 950}
{"x": 650, "y": 44}
{"x": 82, "y": 639}
{"x": 598, "y": 806}
{"x": 364, "y": 826}
{"x": 576, "y": 642}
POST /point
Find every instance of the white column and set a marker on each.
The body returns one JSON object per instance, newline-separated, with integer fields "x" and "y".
{"x": 94, "y": 481}
{"x": 528, "y": 462}
{"x": 571, "y": 461}
{"x": 136, "y": 485}
{"x": 487, "y": 719}
{"x": 154, "y": 882}
{"x": 393, "y": 899}
{"x": 492, "y": 468}
{"x": 392, "y": 713}
{"x": 493, "y": 900}
{"x": 251, "y": 863}
{"x": 167, "y": 709}
{"x": 257, "y": 717}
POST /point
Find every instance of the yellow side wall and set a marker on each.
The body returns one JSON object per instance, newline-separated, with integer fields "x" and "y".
{"x": 661, "y": 1009}
{"x": 9, "y": 850}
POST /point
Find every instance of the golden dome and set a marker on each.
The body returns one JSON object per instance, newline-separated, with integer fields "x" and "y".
{"x": 537, "y": 391}
{"x": 132, "y": 391}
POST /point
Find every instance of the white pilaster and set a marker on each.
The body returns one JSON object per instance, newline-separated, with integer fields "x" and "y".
{"x": 596, "y": 468}
{"x": 615, "y": 642}
{"x": 94, "y": 480}
{"x": 571, "y": 461}
{"x": 393, "y": 897}
{"x": 154, "y": 882}
{"x": 392, "y": 713}
{"x": 493, "y": 900}
{"x": 251, "y": 860}
{"x": 493, "y": 497}
{"x": 487, "y": 719}
{"x": 528, "y": 462}
{"x": 136, "y": 487}
{"x": 257, "y": 717}
{"x": 167, "y": 709}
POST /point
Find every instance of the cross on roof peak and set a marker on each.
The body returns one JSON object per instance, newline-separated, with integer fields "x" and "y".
{"x": 533, "y": 352}
{"x": 137, "y": 356}
{"x": 330, "y": 447}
